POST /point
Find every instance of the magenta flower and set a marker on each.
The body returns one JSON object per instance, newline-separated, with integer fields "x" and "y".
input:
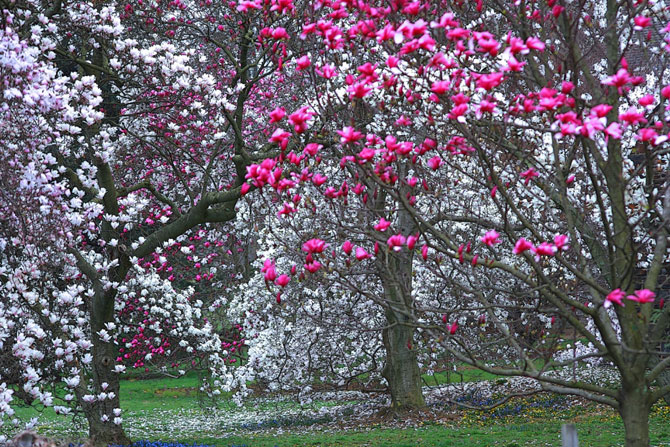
{"x": 528, "y": 175}
{"x": 349, "y": 135}
{"x": 411, "y": 240}
{"x": 314, "y": 246}
{"x": 491, "y": 238}
{"x": 382, "y": 225}
{"x": 282, "y": 280}
{"x": 396, "y": 242}
{"x": 642, "y": 296}
{"x": 277, "y": 114}
{"x": 362, "y": 254}
{"x": 615, "y": 296}
{"x": 313, "y": 266}
{"x": 561, "y": 242}
{"x": 544, "y": 249}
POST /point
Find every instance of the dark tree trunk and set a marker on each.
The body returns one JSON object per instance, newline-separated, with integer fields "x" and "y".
{"x": 664, "y": 380}
{"x": 634, "y": 410}
{"x": 104, "y": 380}
{"x": 100, "y": 414}
{"x": 401, "y": 370}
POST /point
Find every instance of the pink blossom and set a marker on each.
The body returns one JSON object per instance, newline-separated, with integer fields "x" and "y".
{"x": 435, "y": 163}
{"x": 490, "y": 81}
{"x": 601, "y": 110}
{"x": 300, "y": 118}
{"x": 279, "y": 33}
{"x": 642, "y": 296}
{"x": 319, "y": 179}
{"x": 382, "y": 225}
{"x": 632, "y": 116}
{"x": 358, "y": 90}
{"x": 392, "y": 61}
{"x": 665, "y": 92}
{"x": 312, "y": 149}
{"x": 282, "y": 280}
{"x": 646, "y": 100}
{"x": 641, "y": 22}
{"x": 347, "y": 247}
{"x": 411, "y": 240}
{"x": 245, "y": 5}
{"x": 567, "y": 87}
{"x": 396, "y": 242}
{"x": 362, "y": 254}
{"x": 613, "y": 130}
{"x": 270, "y": 273}
{"x": 646, "y": 134}
{"x": 513, "y": 64}
{"x": 618, "y": 80}
{"x": 533, "y": 43}
{"x": 349, "y": 135}
{"x": 615, "y": 296}
{"x": 544, "y": 249}
{"x": 277, "y": 115}
{"x": 314, "y": 246}
{"x": 528, "y": 175}
{"x": 280, "y": 136}
{"x": 327, "y": 71}
{"x": 458, "y": 113}
{"x": 313, "y": 266}
{"x": 440, "y": 87}
{"x": 452, "y": 328}
{"x": 302, "y": 63}
{"x": 491, "y": 238}
{"x": 561, "y": 241}
{"x": 283, "y": 6}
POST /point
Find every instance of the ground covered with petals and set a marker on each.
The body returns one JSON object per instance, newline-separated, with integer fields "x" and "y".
{"x": 172, "y": 411}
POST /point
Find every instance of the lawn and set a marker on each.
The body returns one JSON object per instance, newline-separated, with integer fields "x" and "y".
{"x": 169, "y": 409}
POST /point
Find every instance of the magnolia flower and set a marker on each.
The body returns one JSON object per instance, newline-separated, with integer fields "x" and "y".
{"x": 522, "y": 245}
{"x": 491, "y": 238}
{"x": 396, "y": 242}
{"x": 362, "y": 254}
{"x": 282, "y": 280}
{"x": 642, "y": 296}
{"x": 615, "y": 296}
{"x": 314, "y": 246}
{"x": 382, "y": 225}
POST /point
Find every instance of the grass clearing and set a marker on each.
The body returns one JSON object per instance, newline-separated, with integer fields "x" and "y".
{"x": 169, "y": 409}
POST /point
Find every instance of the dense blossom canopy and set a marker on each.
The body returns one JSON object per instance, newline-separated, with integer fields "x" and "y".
{"x": 332, "y": 190}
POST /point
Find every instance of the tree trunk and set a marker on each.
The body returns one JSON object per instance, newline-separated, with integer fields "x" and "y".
{"x": 664, "y": 380}
{"x": 634, "y": 410}
{"x": 100, "y": 413}
{"x": 401, "y": 370}
{"x": 102, "y": 378}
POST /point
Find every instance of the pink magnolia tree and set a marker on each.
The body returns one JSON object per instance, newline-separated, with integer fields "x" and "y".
{"x": 127, "y": 128}
{"x": 514, "y": 158}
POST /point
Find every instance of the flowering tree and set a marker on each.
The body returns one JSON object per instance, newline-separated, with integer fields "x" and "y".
{"x": 520, "y": 150}
{"x": 127, "y": 128}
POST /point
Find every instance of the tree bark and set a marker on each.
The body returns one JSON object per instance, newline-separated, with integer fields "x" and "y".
{"x": 401, "y": 370}
{"x": 634, "y": 410}
{"x": 100, "y": 415}
{"x": 663, "y": 380}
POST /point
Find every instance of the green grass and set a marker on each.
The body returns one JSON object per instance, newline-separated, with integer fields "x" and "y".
{"x": 531, "y": 422}
{"x": 593, "y": 431}
{"x": 462, "y": 374}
